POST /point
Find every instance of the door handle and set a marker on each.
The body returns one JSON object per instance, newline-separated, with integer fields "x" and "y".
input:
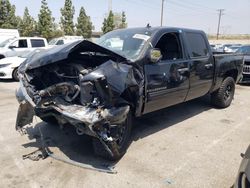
{"x": 183, "y": 70}
{"x": 208, "y": 66}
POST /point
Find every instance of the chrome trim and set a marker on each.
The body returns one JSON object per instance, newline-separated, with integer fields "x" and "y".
{"x": 246, "y": 69}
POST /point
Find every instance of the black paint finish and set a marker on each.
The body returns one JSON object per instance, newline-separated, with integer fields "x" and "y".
{"x": 170, "y": 82}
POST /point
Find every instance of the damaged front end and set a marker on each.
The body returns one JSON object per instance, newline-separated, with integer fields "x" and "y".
{"x": 83, "y": 85}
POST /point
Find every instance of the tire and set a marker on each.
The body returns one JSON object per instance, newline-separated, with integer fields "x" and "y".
{"x": 118, "y": 149}
{"x": 15, "y": 74}
{"x": 223, "y": 97}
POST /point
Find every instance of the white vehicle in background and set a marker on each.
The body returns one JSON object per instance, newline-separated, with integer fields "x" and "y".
{"x": 64, "y": 40}
{"x": 218, "y": 48}
{"x": 8, "y": 34}
{"x": 9, "y": 65}
{"x": 233, "y": 48}
{"x": 20, "y": 46}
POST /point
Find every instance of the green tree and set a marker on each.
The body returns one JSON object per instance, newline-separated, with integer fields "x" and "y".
{"x": 8, "y": 18}
{"x": 84, "y": 24}
{"x": 117, "y": 20}
{"x": 45, "y": 21}
{"x": 67, "y": 17}
{"x": 124, "y": 19}
{"x": 28, "y": 24}
{"x": 108, "y": 23}
{"x": 57, "y": 32}
{"x": 120, "y": 20}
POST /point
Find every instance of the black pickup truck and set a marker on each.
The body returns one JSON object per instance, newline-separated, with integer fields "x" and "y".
{"x": 100, "y": 87}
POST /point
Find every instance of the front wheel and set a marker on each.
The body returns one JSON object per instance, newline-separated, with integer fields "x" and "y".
{"x": 223, "y": 97}
{"x": 15, "y": 74}
{"x": 119, "y": 147}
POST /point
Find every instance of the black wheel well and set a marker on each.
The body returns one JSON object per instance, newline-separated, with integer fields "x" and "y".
{"x": 14, "y": 70}
{"x": 130, "y": 96}
{"x": 2, "y": 56}
{"x": 231, "y": 73}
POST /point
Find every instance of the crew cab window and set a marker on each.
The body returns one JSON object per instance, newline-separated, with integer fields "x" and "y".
{"x": 22, "y": 43}
{"x": 197, "y": 45}
{"x": 170, "y": 46}
{"x": 36, "y": 43}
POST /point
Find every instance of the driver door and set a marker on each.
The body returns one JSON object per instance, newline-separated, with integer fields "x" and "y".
{"x": 18, "y": 47}
{"x": 167, "y": 82}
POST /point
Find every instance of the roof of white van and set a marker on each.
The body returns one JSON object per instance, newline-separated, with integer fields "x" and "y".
{"x": 30, "y": 38}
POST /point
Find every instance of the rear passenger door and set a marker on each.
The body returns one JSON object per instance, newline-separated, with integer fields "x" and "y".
{"x": 201, "y": 64}
{"x": 167, "y": 82}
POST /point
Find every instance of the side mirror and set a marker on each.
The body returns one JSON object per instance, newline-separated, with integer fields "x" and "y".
{"x": 11, "y": 47}
{"x": 155, "y": 55}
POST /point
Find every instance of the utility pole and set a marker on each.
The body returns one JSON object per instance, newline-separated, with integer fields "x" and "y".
{"x": 218, "y": 29}
{"x": 162, "y": 9}
{"x": 110, "y": 5}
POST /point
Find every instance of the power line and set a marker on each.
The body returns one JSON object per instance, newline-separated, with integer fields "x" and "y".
{"x": 190, "y": 7}
{"x": 218, "y": 29}
{"x": 200, "y": 5}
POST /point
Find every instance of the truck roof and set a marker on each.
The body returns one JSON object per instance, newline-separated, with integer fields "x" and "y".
{"x": 157, "y": 29}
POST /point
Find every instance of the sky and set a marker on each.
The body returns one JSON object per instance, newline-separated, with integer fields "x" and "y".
{"x": 195, "y": 14}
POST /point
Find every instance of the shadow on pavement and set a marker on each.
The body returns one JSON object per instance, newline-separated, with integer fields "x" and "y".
{"x": 244, "y": 84}
{"x": 79, "y": 148}
{"x": 71, "y": 146}
{"x": 7, "y": 80}
{"x": 162, "y": 119}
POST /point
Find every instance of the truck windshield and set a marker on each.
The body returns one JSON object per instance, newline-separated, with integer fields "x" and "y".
{"x": 127, "y": 43}
{"x": 4, "y": 43}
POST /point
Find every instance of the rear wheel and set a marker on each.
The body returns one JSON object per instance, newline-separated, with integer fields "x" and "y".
{"x": 15, "y": 74}
{"x": 119, "y": 147}
{"x": 223, "y": 97}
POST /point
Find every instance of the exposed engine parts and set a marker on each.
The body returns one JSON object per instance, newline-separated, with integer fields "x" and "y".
{"x": 86, "y": 86}
{"x": 69, "y": 91}
{"x": 84, "y": 98}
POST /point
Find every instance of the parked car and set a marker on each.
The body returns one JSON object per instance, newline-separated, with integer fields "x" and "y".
{"x": 9, "y": 65}
{"x": 99, "y": 88}
{"x": 8, "y": 34}
{"x": 232, "y": 49}
{"x": 243, "y": 176}
{"x": 217, "y": 48}
{"x": 213, "y": 47}
{"x": 20, "y": 46}
{"x": 245, "y": 50}
{"x": 64, "y": 40}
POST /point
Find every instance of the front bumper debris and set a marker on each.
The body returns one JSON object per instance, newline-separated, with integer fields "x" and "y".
{"x": 89, "y": 120}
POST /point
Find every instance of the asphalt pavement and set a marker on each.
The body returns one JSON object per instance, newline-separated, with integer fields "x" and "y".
{"x": 187, "y": 145}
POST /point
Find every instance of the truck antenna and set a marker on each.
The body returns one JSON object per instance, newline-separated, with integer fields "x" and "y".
{"x": 148, "y": 25}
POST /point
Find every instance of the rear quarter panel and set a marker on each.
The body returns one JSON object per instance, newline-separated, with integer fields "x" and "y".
{"x": 226, "y": 64}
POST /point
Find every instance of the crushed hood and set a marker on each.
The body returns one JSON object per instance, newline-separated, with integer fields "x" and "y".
{"x": 62, "y": 52}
